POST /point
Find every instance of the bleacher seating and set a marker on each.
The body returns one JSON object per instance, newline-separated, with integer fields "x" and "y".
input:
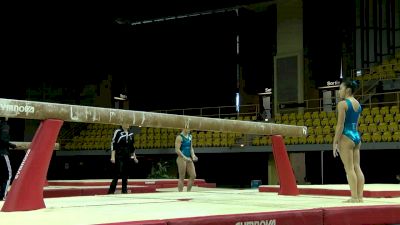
{"x": 376, "y": 124}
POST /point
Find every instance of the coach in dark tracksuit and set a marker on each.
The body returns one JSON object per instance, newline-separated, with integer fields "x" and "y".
{"x": 5, "y": 165}
{"x": 122, "y": 150}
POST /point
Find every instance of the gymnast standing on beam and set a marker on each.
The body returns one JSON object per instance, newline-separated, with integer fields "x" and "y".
{"x": 347, "y": 140}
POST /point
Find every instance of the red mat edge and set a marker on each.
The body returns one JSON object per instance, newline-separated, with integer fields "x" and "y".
{"x": 358, "y": 215}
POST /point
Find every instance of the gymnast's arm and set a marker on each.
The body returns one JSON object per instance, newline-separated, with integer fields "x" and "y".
{"x": 194, "y": 157}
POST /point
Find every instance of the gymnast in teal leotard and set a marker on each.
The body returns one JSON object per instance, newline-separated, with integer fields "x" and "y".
{"x": 350, "y": 123}
{"x": 347, "y": 140}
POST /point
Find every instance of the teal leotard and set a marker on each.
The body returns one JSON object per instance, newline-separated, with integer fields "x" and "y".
{"x": 186, "y": 145}
{"x": 350, "y": 123}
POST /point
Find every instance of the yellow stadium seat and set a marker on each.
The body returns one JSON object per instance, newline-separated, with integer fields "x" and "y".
{"x": 292, "y": 116}
{"x": 331, "y": 114}
{"x": 164, "y": 143}
{"x": 232, "y": 135}
{"x": 68, "y": 146}
{"x": 394, "y": 109}
{"x": 372, "y": 128}
{"x": 224, "y": 135}
{"x": 332, "y": 121}
{"x": 294, "y": 140}
{"x": 214, "y": 135}
{"x": 361, "y": 120}
{"x": 397, "y": 118}
{"x": 143, "y": 130}
{"x": 157, "y": 144}
{"x": 382, "y": 127}
{"x": 171, "y": 143}
{"x": 136, "y": 143}
{"x": 300, "y": 116}
{"x": 307, "y": 115}
{"x": 326, "y": 130}
{"x": 231, "y": 141}
{"x": 378, "y": 119}
{"x": 393, "y": 127}
{"x": 201, "y": 134}
{"x": 366, "y": 112}
{"x": 376, "y": 137}
{"x": 366, "y": 137}
{"x": 224, "y": 142}
{"x": 324, "y": 121}
{"x": 363, "y": 128}
{"x": 318, "y": 130}
{"x": 150, "y": 136}
{"x": 285, "y": 116}
{"x": 287, "y": 140}
{"x": 396, "y": 136}
{"x": 98, "y": 132}
{"x": 164, "y": 136}
{"x": 302, "y": 140}
{"x": 311, "y": 139}
{"x": 315, "y": 115}
{"x": 384, "y": 110}
{"x": 319, "y": 139}
{"x": 216, "y": 142}
{"x": 310, "y": 130}
{"x": 322, "y": 115}
{"x": 253, "y": 118}
{"x": 265, "y": 140}
{"x": 369, "y": 119}
{"x": 308, "y": 122}
{"x": 255, "y": 141}
{"x": 316, "y": 122}
{"x": 388, "y": 118}
{"x": 285, "y": 122}
{"x": 209, "y": 142}
{"x": 83, "y": 133}
{"x": 387, "y": 136}
{"x": 300, "y": 122}
{"x": 104, "y": 132}
{"x": 278, "y": 117}
{"x": 328, "y": 139}
{"x": 90, "y": 126}
{"x": 157, "y": 136}
{"x": 200, "y": 142}
{"x": 375, "y": 111}
{"x": 150, "y": 144}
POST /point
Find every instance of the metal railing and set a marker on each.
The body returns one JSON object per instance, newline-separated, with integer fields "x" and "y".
{"x": 369, "y": 101}
{"x": 217, "y": 112}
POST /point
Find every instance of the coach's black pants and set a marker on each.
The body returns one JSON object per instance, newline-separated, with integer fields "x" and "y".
{"x": 121, "y": 170}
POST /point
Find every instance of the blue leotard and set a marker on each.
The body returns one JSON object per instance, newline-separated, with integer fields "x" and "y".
{"x": 186, "y": 145}
{"x": 350, "y": 123}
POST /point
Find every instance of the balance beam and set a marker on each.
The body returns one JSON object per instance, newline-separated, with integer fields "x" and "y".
{"x": 87, "y": 114}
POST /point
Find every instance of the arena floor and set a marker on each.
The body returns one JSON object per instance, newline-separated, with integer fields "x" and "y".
{"x": 209, "y": 206}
